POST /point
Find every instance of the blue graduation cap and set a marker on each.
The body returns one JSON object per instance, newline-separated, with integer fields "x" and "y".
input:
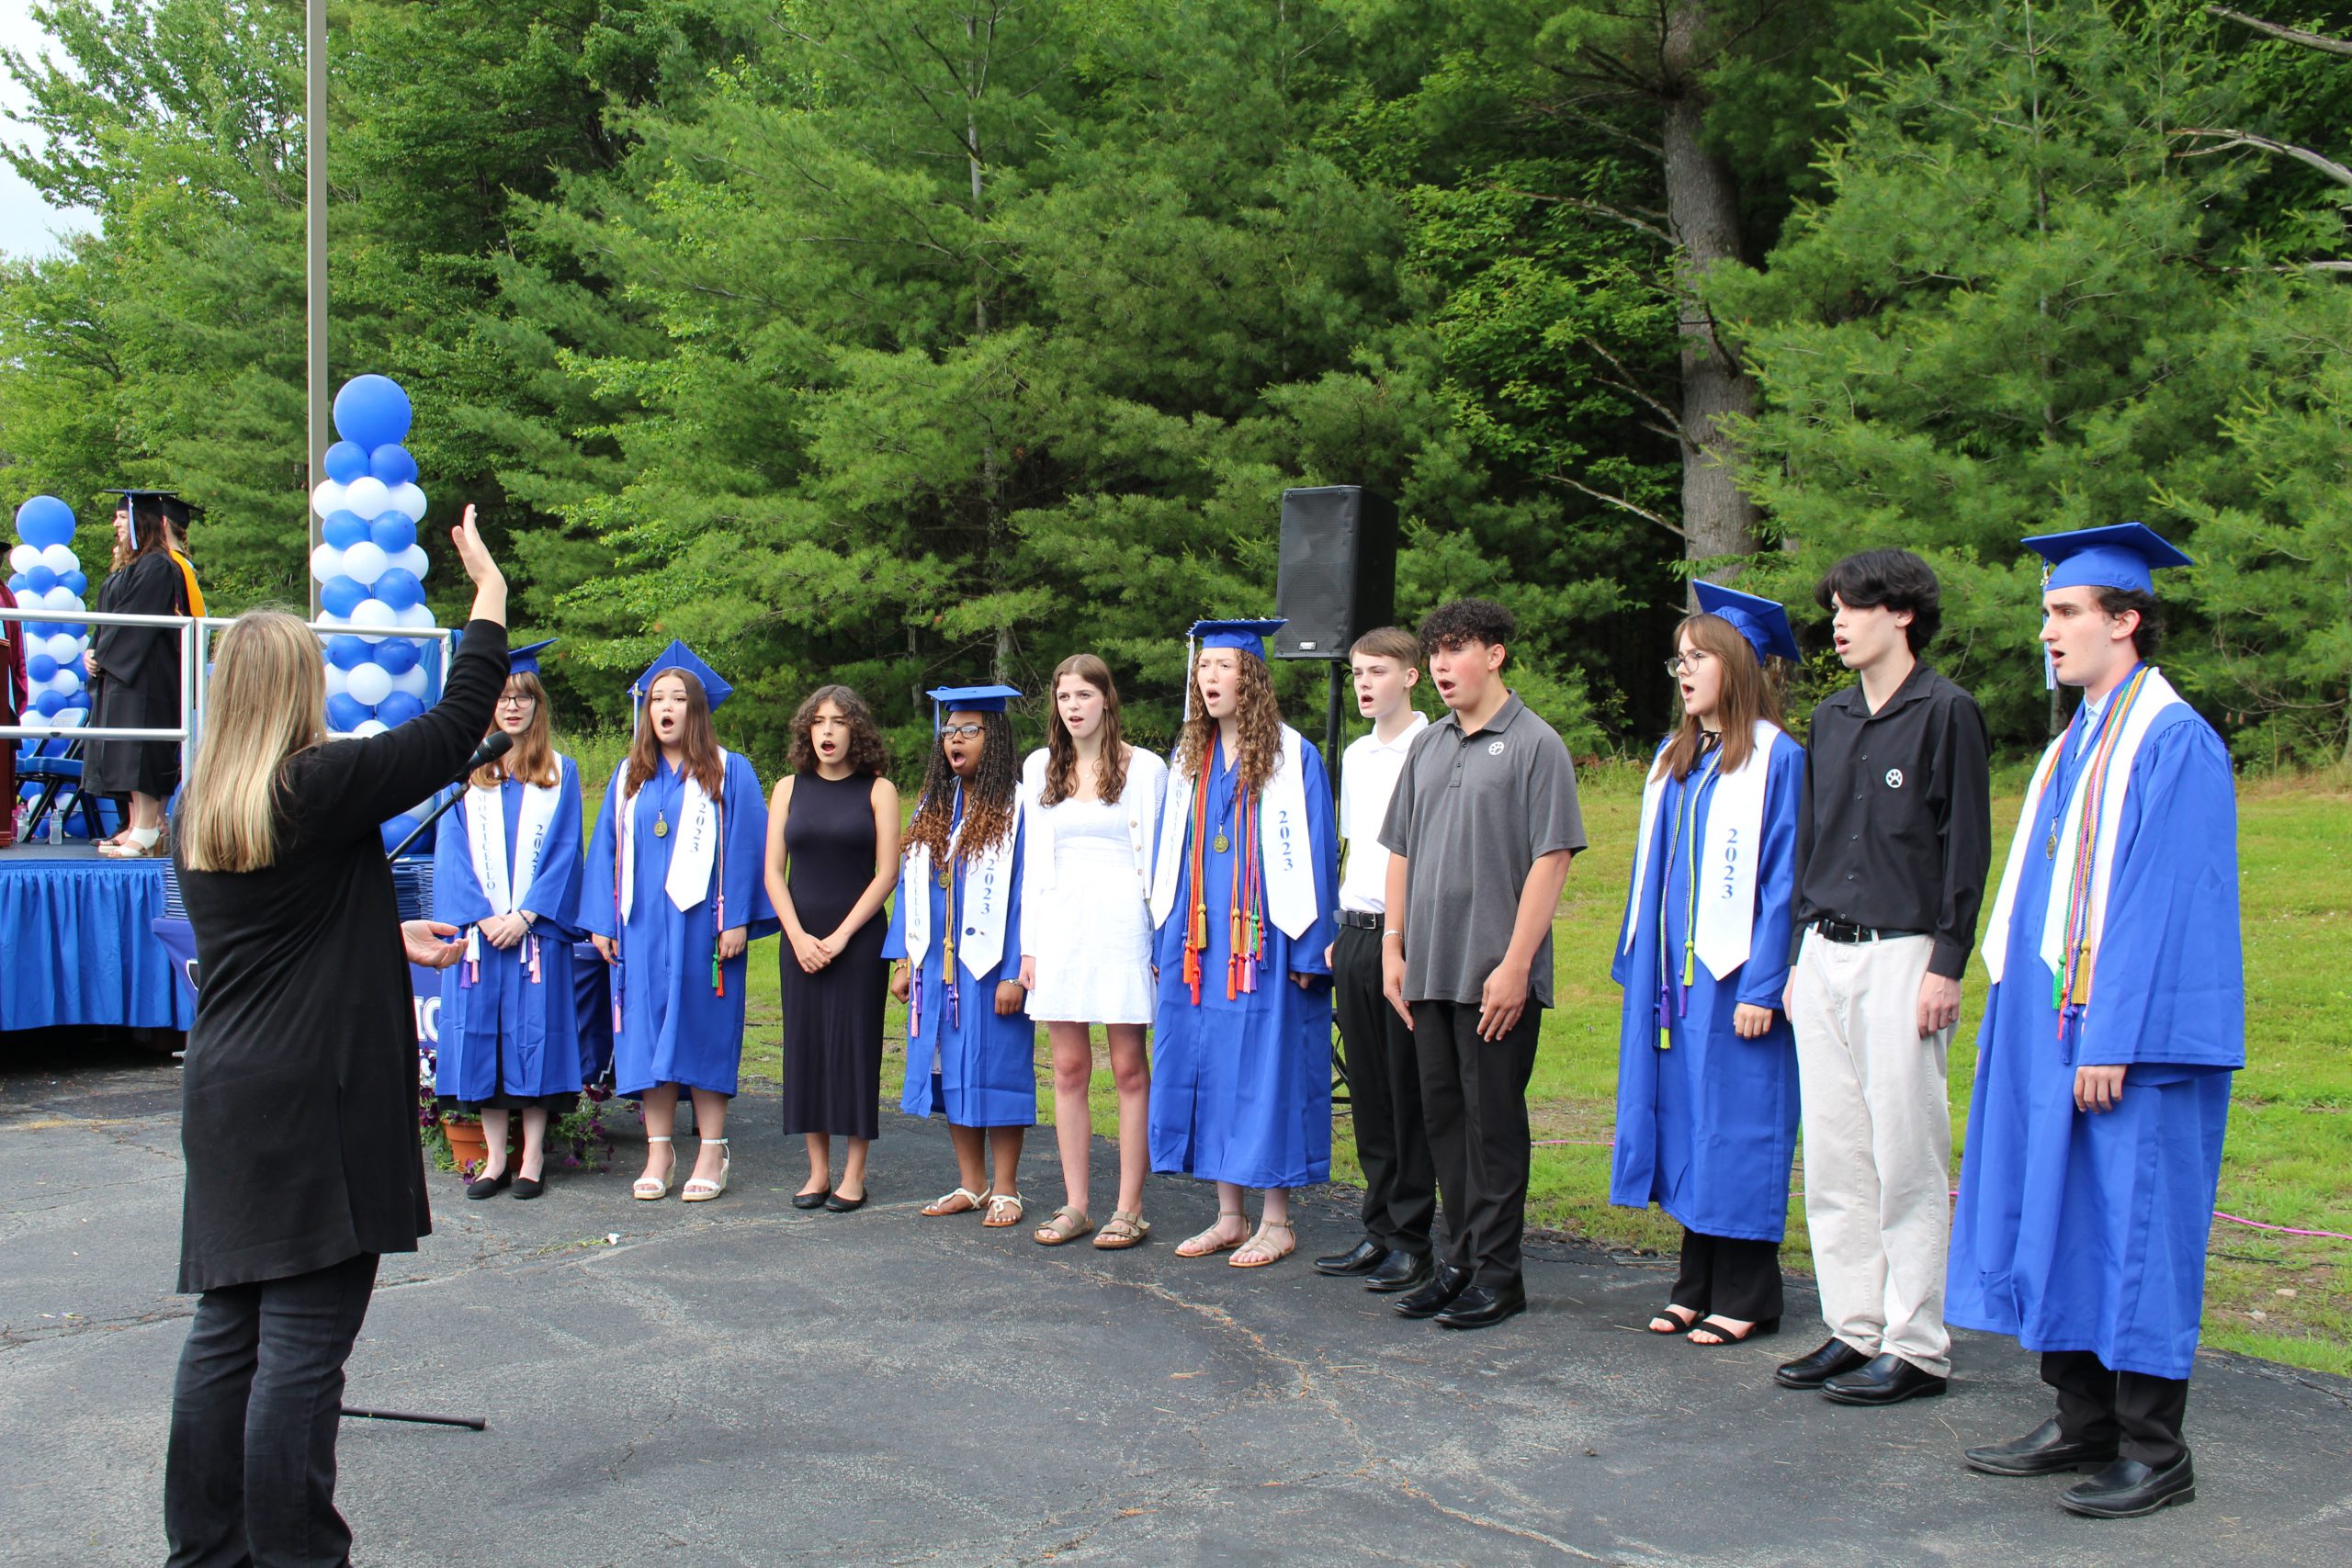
{"x": 1761, "y": 621}
{"x": 2122, "y": 555}
{"x": 525, "y": 661}
{"x": 968, "y": 699}
{"x": 1248, "y": 636}
{"x": 678, "y": 656}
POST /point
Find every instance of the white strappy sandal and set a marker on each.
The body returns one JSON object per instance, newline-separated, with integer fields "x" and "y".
{"x": 653, "y": 1188}
{"x": 701, "y": 1190}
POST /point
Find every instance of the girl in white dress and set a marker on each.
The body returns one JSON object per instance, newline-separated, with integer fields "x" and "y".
{"x": 1092, "y": 804}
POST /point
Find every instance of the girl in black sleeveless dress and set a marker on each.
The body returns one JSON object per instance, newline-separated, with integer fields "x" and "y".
{"x": 832, "y": 861}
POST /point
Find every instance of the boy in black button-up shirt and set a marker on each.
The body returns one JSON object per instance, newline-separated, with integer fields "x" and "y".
{"x": 1893, "y": 839}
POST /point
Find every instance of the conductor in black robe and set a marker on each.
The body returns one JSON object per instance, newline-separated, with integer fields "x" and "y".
{"x": 298, "y": 1102}
{"x": 135, "y": 671}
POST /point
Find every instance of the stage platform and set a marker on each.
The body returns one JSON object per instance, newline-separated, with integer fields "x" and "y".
{"x": 78, "y": 935}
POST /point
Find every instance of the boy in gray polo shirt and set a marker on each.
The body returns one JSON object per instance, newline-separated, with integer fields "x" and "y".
{"x": 1480, "y": 831}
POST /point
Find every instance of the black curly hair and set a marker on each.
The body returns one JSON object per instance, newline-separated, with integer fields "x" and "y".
{"x": 992, "y": 796}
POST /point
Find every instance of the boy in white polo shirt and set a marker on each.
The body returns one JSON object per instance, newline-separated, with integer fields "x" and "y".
{"x": 1383, "y": 1074}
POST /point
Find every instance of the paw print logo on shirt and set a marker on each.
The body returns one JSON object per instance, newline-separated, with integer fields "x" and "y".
{"x": 1496, "y": 750}
{"x": 1894, "y": 778}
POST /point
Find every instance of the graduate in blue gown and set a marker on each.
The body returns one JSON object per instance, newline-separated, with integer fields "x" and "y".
{"x": 1707, "y": 1071}
{"x": 506, "y": 873}
{"x": 2116, "y": 1019}
{"x": 1245, "y": 897}
{"x": 672, "y": 893}
{"x": 956, "y": 938}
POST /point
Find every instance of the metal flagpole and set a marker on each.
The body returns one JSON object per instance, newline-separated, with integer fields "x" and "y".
{"x": 314, "y": 204}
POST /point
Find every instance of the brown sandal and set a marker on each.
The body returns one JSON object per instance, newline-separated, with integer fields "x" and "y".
{"x": 1211, "y": 1242}
{"x": 1066, "y": 1225}
{"x": 1264, "y": 1251}
{"x": 1125, "y": 1229}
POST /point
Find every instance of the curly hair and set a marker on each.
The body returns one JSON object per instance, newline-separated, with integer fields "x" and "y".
{"x": 1061, "y": 749}
{"x": 991, "y": 795}
{"x": 1257, "y": 720}
{"x": 867, "y": 754}
{"x": 1467, "y": 621}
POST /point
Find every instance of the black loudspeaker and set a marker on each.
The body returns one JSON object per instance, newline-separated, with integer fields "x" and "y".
{"x": 1337, "y": 574}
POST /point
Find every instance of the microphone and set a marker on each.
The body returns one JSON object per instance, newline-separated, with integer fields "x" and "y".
{"x": 497, "y": 744}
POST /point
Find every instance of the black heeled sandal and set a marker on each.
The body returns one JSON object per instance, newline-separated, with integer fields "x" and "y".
{"x": 1763, "y": 1328}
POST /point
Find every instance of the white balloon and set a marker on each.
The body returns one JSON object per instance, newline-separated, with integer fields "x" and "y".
{"x": 366, "y": 497}
{"x": 327, "y": 498}
{"x": 414, "y": 562}
{"x": 365, "y": 561}
{"x": 416, "y": 617}
{"x": 64, "y": 649}
{"x": 60, "y": 559}
{"x": 67, "y": 681}
{"x": 370, "y": 727}
{"x": 59, "y": 598}
{"x": 329, "y": 621}
{"x": 24, "y": 558}
{"x": 369, "y": 683}
{"x": 338, "y": 682}
{"x": 373, "y": 615}
{"x": 412, "y": 680}
{"x": 408, "y": 501}
{"x": 326, "y": 564}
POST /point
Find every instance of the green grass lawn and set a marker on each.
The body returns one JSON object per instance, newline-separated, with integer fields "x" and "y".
{"x": 2288, "y": 1160}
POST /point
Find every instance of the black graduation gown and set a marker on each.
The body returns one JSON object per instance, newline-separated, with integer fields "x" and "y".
{"x": 298, "y": 1103}
{"x": 138, "y": 684}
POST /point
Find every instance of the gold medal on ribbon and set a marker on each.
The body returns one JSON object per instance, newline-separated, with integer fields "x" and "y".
{"x": 1220, "y": 843}
{"x": 2052, "y": 852}
{"x": 660, "y": 826}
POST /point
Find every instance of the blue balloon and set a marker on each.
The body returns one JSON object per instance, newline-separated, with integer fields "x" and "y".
{"x": 396, "y": 830}
{"x": 393, "y": 532}
{"x": 44, "y": 520}
{"x": 346, "y": 713}
{"x": 372, "y": 412}
{"x": 77, "y": 580}
{"x": 39, "y": 668}
{"x": 399, "y": 589}
{"x": 343, "y": 529}
{"x": 40, "y": 579}
{"x": 398, "y": 655}
{"x": 46, "y": 703}
{"x": 345, "y": 461}
{"x": 341, "y": 595}
{"x": 392, "y": 465}
{"x": 80, "y": 699}
{"x": 398, "y": 709}
{"x": 346, "y": 652}
{"x": 16, "y": 583}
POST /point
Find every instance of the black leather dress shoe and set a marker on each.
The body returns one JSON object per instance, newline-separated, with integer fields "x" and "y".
{"x": 1446, "y": 1282}
{"x": 1812, "y": 1371}
{"x": 2127, "y": 1489}
{"x": 2045, "y": 1450}
{"x": 810, "y": 1199}
{"x": 1400, "y": 1271}
{"x": 1361, "y": 1258}
{"x": 836, "y": 1203}
{"x": 527, "y": 1187}
{"x": 489, "y": 1186}
{"x": 1483, "y": 1306}
{"x": 1887, "y": 1379}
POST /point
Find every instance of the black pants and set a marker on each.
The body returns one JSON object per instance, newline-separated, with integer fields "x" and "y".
{"x": 1729, "y": 1278}
{"x": 2140, "y": 1414}
{"x": 1384, "y": 1098}
{"x": 249, "y": 1475}
{"x": 1474, "y": 1095}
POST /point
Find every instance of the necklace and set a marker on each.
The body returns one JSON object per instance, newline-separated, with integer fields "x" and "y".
{"x": 661, "y": 823}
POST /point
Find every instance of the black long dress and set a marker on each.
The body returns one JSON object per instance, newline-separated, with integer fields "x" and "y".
{"x": 298, "y": 1103}
{"x": 832, "y": 1020}
{"x": 139, "y": 680}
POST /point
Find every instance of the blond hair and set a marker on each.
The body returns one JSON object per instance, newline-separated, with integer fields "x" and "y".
{"x": 267, "y": 702}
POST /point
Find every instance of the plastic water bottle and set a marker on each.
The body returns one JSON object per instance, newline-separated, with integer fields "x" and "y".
{"x": 56, "y": 826}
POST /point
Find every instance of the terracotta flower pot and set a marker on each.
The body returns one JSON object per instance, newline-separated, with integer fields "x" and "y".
{"x": 467, "y": 1147}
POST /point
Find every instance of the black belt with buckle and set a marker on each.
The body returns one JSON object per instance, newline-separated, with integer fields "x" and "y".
{"x": 1847, "y": 932}
{"x": 1362, "y": 920}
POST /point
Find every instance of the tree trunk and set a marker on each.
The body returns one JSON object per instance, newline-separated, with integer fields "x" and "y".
{"x": 1702, "y": 211}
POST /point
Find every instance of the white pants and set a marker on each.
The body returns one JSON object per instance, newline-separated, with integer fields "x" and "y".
{"x": 1877, "y": 1146}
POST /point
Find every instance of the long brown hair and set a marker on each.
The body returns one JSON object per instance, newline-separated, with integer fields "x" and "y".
{"x": 156, "y": 540}
{"x": 867, "y": 754}
{"x": 1257, "y": 724}
{"x": 1061, "y": 747}
{"x": 1748, "y": 694}
{"x": 991, "y": 795}
{"x": 696, "y": 739}
{"x": 267, "y": 703}
{"x": 532, "y": 759}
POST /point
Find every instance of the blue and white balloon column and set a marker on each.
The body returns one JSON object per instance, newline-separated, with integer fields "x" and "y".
{"x": 45, "y": 574}
{"x": 370, "y": 569}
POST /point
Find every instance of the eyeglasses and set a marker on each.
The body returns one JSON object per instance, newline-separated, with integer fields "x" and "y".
{"x": 509, "y": 700}
{"x": 1682, "y": 662}
{"x": 961, "y": 730}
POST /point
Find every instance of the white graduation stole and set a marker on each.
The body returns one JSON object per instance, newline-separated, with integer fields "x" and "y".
{"x": 983, "y": 910}
{"x": 2155, "y": 697}
{"x": 486, "y": 836}
{"x": 1285, "y": 848}
{"x": 1726, "y": 927}
{"x": 695, "y": 852}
